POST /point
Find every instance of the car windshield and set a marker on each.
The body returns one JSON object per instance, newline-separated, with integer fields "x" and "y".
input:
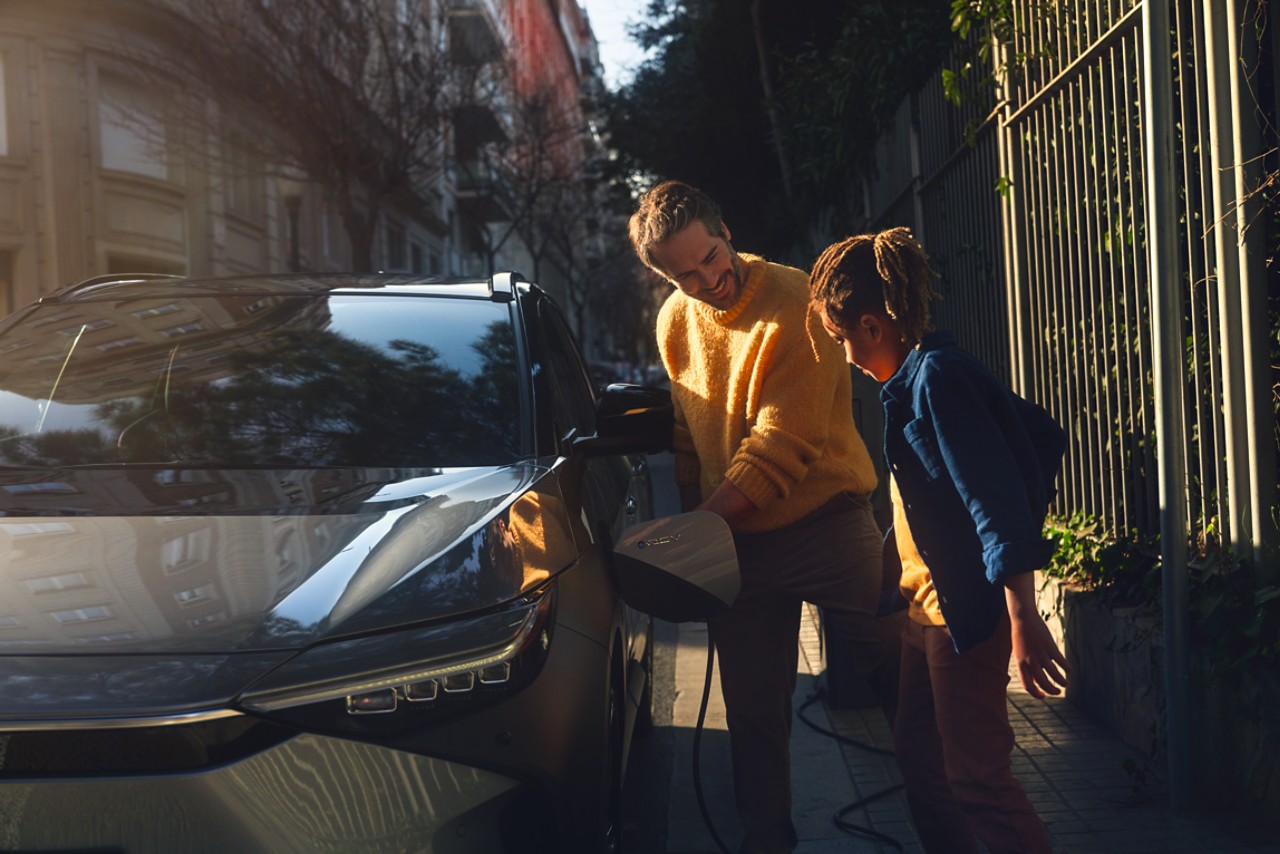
{"x": 251, "y": 380}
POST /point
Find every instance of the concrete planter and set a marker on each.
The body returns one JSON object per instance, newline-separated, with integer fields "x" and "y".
{"x": 1117, "y": 657}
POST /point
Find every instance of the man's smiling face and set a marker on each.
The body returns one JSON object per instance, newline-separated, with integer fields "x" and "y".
{"x": 702, "y": 265}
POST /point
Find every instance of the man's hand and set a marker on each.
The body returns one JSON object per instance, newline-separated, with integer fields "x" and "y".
{"x": 1041, "y": 665}
{"x": 729, "y": 503}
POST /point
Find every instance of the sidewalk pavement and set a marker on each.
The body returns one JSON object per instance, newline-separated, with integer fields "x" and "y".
{"x": 1093, "y": 793}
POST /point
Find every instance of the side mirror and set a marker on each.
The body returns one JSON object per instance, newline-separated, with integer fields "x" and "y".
{"x": 630, "y": 419}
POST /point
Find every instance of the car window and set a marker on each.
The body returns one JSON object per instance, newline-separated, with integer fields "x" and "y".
{"x": 575, "y": 403}
{"x": 254, "y": 380}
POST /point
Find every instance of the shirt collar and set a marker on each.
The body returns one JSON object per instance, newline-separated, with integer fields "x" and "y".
{"x": 898, "y": 385}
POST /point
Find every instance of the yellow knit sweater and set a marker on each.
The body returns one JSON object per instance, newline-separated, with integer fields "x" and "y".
{"x": 763, "y": 397}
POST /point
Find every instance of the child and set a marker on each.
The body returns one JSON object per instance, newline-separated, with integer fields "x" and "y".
{"x": 971, "y": 469}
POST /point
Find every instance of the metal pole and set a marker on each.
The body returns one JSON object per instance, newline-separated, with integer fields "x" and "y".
{"x": 1222, "y": 120}
{"x": 1166, "y": 337}
{"x": 917, "y": 168}
{"x": 1012, "y": 238}
{"x": 1258, "y": 420}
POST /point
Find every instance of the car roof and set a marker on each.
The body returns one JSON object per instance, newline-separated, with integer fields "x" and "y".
{"x": 500, "y": 286}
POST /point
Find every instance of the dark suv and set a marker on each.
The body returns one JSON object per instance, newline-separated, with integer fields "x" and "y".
{"x": 314, "y": 563}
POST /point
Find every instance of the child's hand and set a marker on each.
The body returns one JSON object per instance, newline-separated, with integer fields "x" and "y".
{"x": 1041, "y": 665}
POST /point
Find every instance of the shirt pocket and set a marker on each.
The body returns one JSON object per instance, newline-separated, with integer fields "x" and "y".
{"x": 920, "y": 436}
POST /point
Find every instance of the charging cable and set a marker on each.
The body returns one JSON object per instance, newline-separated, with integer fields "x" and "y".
{"x": 697, "y": 751}
{"x": 839, "y": 817}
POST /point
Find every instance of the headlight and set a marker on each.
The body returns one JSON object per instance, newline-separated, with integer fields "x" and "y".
{"x": 406, "y": 674}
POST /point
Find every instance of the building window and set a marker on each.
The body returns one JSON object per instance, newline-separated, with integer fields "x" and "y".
{"x": 185, "y": 551}
{"x": 178, "y": 477}
{"x": 195, "y": 595}
{"x": 416, "y": 254}
{"x": 118, "y": 343}
{"x": 243, "y": 180}
{"x": 4, "y": 112}
{"x": 32, "y": 529}
{"x": 6, "y": 258}
{"x": 113, "y": 637}
{"x": 154, "y": 311}
{"x": 182, "y": 329}
{"x": 55, "y": 487}
{"x": 55, "y": 583}
{"x": 92, "y": 326}
{"x": 83, "y": 615}
{"x": 326, "y": 246}
{"x": 131, "y": 130}
{"x": 130, "y": 264}
{"x": 395, "y": 246}
{"x": 208, "y": 619}
{"x": 10, "y": 623}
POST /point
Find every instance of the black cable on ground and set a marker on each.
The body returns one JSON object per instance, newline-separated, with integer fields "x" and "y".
{"x": 839, "y": 818}
{"x": 697, "y": 744}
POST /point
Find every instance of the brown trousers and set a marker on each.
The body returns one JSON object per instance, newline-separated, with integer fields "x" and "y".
{"x": 953, "y": 743}
{"x": 832, "y": 559}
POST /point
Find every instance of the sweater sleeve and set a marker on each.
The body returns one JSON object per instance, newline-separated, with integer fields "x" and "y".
{"x": 688, "y": 468}
{"x": 795, "y": 384}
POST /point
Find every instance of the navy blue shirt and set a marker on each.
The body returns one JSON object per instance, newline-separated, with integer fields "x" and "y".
{"x": 975, "y": 465}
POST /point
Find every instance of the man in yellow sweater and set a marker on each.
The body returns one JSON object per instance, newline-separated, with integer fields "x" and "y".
{"x": 765, "y": 438}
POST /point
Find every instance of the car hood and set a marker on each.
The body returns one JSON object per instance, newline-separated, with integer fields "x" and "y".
{"x": 216, "y": 563}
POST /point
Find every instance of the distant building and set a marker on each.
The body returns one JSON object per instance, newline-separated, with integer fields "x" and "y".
{"x": 94, "y": 179}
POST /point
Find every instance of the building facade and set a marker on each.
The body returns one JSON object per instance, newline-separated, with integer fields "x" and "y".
{"x": 97, "y": 178}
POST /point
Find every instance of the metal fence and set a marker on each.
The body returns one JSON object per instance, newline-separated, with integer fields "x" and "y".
{"x": 1058, "y": 280}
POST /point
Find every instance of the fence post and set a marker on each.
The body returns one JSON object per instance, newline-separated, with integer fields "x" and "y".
{"x": 1164, "y": 280}
{"x": 1258, "y": 418}
{"x": 1012, "y": 231}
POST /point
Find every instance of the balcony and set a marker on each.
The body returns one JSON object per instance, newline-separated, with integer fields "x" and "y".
{"x": 475, "y": 32}
{"x": 480, "y": 192}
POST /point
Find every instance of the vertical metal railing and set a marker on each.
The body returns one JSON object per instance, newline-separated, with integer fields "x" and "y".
{"x": 1049, "y": 280}
{"x": 1072, "y": 130}
{"x": 1118, "y": 279}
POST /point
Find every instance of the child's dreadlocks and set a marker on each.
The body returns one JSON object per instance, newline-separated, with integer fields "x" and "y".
{"x": 885, "y": 272}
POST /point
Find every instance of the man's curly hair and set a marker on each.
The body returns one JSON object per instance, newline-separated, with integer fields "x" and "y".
{"x": 665, "y": 210}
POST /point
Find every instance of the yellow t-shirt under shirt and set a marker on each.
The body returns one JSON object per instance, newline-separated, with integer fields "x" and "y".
{"x": 917, "y": 582}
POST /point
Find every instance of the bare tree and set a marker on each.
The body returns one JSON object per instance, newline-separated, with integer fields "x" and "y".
{"x": 536, "y": 175}
{"x": 355, "y": 95}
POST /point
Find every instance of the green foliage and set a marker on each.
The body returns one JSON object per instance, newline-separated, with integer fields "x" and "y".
{"x": 696, "y": 111}
{"x": 1123, "y": 570}
{"x": 838, "y": 98}
{"x": 1235, "y": 616}
{"x": 780, "y": 147}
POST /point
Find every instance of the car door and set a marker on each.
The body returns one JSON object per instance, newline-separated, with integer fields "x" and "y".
{"x": 614, "y": 489}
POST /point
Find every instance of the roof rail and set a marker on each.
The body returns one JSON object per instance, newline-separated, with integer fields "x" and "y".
{"x": 502, "y": 286}
{"x": 79, "y": 287}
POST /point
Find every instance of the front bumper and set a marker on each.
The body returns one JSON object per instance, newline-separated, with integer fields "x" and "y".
{"x": 307, "y": 794}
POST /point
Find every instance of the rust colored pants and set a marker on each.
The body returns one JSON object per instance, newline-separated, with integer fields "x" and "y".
{"x": 832, "y": 559}
{"x": 953, "y": 743}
